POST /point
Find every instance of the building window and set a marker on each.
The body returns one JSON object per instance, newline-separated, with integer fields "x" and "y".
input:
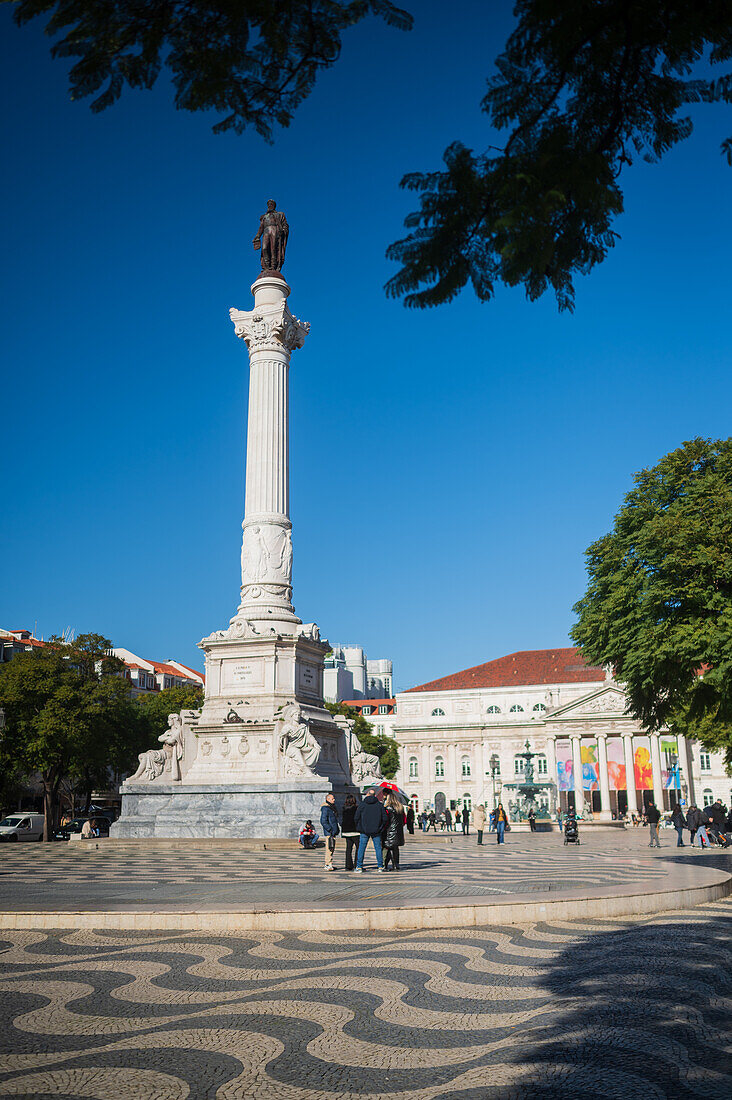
{"x": 367, "y": 710}
{"x": 414, "y": 802}
{"x": 413, "y": 768}
{"x": 493, "y": 710}
{"x": 380, "y": 731}
{"x": 439, "y": 767}
{"x": 538, "y": 706}
{"x": 467, "y": 802}
{"x": 383, "y": 709}
{"x": 438, "y": 712}
{"x": 518, "y": 765}
{"x": 466, "y": 767}
{"x": 516, "y": 709}
{"x": 708, "y": 797}
{"x": 541, "y": 766}
{"x": 705, "y": 761}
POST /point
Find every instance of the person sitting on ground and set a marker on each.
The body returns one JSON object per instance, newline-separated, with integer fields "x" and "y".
{"x": 308, "y": 836}
{"x": 87, "y": 830}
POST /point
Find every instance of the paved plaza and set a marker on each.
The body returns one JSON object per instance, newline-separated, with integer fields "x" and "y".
{"x": 636, "y": 1008}
{"x": 441, "y": 876}
{"x": 632, "y": 1007}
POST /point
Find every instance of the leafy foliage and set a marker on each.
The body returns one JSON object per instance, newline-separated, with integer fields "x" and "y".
{"x": 583, "y": 86}
{"x": 68, "y": 713}
{"x": 658, "y": 607}
{"x": 155, "y": 708}
{"x": 376, "y": 743}
{"x": 254, "y": 61}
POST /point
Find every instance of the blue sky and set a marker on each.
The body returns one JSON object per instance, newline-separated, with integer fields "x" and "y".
{"x": 448, "y": 468}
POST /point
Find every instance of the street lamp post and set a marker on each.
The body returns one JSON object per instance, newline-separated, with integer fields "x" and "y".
{"x": 494, "y": 775}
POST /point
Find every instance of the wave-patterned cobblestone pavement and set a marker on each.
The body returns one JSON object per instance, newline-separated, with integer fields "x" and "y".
{"x": 629, "y": 1008}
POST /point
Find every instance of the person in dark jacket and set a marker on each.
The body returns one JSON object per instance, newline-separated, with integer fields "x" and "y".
{"x": 697, "y": 828}
{"x": 329, "y": 823}
{"x": 466, "y": 821}
{"x": 679, "y": 823}
{"x": 410, "y": 821}
{"x": 653, "y": 817}
{"x": 349, "y": 832}
{"x": 431, "y": 821}
{"x": 448, "y": 821}
{"x": 392, "y": 835}
{"x": 370, "y": 820}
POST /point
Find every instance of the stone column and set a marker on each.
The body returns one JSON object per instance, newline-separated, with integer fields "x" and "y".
{"x": 630, "y": 773}
{"x": 656, "y": 766}
{"x": 605, "y": 811}
{"x": 551, "y": 770}
{"x": 579, "y": 794}
{"x": 271, "y": 333}
{"x": 686, "y": 775}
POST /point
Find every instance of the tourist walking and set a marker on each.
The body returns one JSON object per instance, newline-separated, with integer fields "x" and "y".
{"x": 349, "y": 832}
{"x": 410, "y": 821}
{"x": 423, "y": 821}
{"x": 479, "y": 819}
{"x": 448, "y": 821}
{"x": 501, "y": 822}
{"x": 392, "y": 835}
{"x": 679, "y": 823}
{"x": 653, "y": 816}
{"x": 329, "y": 824}
{"x": 696, "y": 826}
{"x": 431, "y": 821}
{"x": 532, "y": 821}
{"x": 466, "y": 821}
{"x": 370, "y": 820}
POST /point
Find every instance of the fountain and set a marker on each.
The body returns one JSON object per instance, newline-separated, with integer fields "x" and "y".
{"x": 527, "y": 790}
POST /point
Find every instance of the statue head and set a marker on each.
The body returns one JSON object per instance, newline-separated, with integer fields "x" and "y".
{"x": 173, "y": 719}
{"x": 271, "y": 205}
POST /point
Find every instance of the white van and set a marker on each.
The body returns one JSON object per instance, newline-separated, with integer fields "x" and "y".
{"x": 22, "y": 826}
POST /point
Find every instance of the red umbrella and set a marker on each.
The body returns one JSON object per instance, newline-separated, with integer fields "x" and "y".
{"x": 387, "y": 785}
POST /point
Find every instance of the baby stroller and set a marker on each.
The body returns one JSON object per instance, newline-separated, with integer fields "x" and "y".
{"x": 571, "y": 830}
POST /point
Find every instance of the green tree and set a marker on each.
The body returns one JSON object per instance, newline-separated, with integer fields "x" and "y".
{"x": 155, "y": 708}
{"x": 658, "y": 607}
{"x": 581, "y": 89}
{"x": 254, "y": 61}
{"x": 376, "y": 743}
{"x": 66, "y": 706}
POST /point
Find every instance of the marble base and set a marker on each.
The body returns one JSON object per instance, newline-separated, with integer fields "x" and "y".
{"x": 222, "y": 810}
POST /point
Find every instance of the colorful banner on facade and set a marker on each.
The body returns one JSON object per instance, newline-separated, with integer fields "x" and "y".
{"x": 590, "y": 768}
{"x": 643, "y": 768}
{"x": 565, "y": 777}
{"x": 669, "y": 755}
{"x": 616, "y": 765}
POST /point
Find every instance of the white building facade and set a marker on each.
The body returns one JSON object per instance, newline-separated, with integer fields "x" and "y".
{"x": 381, "y": 713}
{"x": 462, "y": 741}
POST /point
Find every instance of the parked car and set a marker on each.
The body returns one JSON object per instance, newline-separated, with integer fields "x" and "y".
{"x": 77, "y": 824}
{"x": 22, "y": 826}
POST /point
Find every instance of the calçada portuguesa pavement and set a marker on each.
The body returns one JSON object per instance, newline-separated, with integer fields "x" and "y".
{"x": 592, "y": 1002}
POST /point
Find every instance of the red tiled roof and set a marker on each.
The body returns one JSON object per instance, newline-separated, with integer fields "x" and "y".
{"x": 528, "y": 666}
{"x": 368, "y": 702}
{"x": 191, "y": 670}
{"x": 170, "y": 670}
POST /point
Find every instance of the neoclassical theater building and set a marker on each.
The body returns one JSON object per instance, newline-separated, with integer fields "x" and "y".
{"x": 573, "y": 717}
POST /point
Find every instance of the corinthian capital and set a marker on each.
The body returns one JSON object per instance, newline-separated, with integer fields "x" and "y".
{"x": 271, "y": 326}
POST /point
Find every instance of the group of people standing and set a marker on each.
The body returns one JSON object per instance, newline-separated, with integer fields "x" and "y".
{"x": 371, "y": 819}
{"x": 446, "y": 821}
{"x": 711, "y": 825}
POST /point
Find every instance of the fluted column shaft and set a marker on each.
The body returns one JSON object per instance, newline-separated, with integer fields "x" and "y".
{"x": 630, "y": 773}
{"x": 579, "y": 794}
{"x": 268, "y": 460}
{"x": 605, "y": 811}
{"x": 656, "y": 768}
{"x": 270, "y": 332}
